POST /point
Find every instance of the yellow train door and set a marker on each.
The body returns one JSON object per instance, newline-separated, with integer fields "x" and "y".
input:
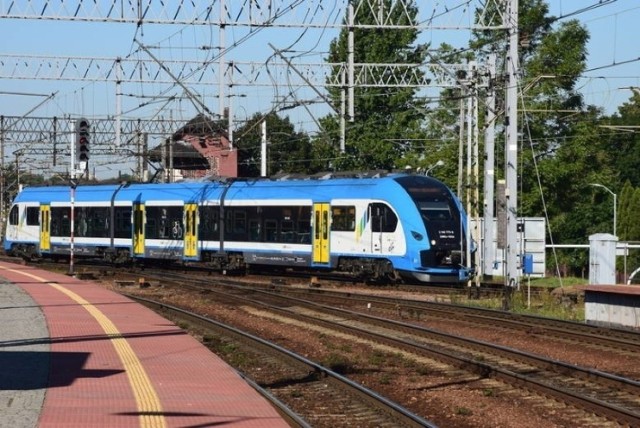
{"x": 321, "y": 233}
{"x": 138, "y": 229}
{"x": 45, "y": 228}
{"x": 191, "y": 230}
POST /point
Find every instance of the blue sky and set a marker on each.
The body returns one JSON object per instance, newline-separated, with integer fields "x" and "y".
{"x": 613, "y": 64}
{"x": 613, "y": 50}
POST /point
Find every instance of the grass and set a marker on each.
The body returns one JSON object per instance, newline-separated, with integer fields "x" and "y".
{"x": 553, "y": 282}
{"x": 544, "y": 304}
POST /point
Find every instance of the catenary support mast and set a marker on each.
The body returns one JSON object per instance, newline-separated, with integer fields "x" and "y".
{"x": 511, "y": 149}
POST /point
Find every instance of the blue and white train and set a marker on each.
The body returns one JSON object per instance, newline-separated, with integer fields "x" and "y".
{"x": 383, "y": 227}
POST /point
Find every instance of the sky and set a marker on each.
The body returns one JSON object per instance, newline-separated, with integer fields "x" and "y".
{"x": 613, "y": 50}
{"x": 613, "y": 62}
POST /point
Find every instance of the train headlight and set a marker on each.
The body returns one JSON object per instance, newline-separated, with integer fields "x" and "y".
{"x": 433, "y": 242}
{"x": 417, "y": 236}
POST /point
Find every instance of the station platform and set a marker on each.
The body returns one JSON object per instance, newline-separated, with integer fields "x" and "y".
{"x": 613, "y": 305}
{"x": 73, "y": 354}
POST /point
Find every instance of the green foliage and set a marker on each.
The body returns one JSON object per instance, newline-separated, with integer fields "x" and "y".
{"x": 288, "y": 151}
{"x": 544, "y": 304}
{"x": 624, "y": 145}
{"x": 387, "y": 119}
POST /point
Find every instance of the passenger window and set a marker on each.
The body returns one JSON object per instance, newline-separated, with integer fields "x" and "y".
{"x": 255, "y": 234}
{"x": 343, "y": 218}
{"x": 123, "y": 222}
{"x": 383, "y": 219}
{"x": 239, "y": 221}
{"x": 287, "y": 231}
{"x": 271, "y": 230}
{"x": 304, "y": 231}
{"x": 14, "y": 216}
{"x": 33, "y": 216}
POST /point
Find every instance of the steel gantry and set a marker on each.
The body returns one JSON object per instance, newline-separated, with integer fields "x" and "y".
{"x": 257, "y": 13}
{"x": 37, "y": 135}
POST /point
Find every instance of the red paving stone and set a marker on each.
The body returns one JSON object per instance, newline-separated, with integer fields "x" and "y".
{"x": 89, "y": 386}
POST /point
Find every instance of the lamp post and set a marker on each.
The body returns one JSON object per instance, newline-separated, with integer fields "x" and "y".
{"x": 439, "y": 163}
{"x": 615, "y": 204}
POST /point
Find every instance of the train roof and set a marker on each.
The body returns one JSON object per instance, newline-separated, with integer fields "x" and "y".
{"x": 312, "y": 189}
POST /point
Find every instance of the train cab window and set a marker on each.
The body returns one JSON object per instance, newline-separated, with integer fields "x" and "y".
{"x": 434, "y": 210}
{"x": 14, "y": 216}
{"x": 33, "y": 216}
{"x": 383, "y": 219}
{"x": 343, "y": 218}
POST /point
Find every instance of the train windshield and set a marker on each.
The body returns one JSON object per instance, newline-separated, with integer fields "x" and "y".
{"x": 432, "y": 199}
{"x": 434, "y": 210}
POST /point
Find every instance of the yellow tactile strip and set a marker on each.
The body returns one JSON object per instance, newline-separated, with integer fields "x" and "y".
{"x": 147, "y": 400}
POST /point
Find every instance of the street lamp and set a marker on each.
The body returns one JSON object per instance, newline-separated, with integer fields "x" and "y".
{"x": 439, "y": 163}
{"x": 615, "y": 204}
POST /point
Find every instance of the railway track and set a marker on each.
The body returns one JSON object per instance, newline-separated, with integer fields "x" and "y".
{"x": 620, "y": 340}
{"x": 608, "y": 396}
{"x": 291, "y": 375}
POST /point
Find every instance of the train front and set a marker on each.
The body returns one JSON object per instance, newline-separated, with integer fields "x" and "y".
{"x": 442, "y": 253}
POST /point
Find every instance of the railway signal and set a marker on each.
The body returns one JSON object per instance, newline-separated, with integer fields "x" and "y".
{"x": 83, "y": 128}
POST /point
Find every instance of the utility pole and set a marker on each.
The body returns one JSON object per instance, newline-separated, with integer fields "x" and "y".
{"x": 511, "y": 152}
{"x": 221, "y": 56}
{"x": 72, "y": 194}
{"x": 2, "y": 176}
{"x": 263, "y": 149}
{"x": 488, "y": 254}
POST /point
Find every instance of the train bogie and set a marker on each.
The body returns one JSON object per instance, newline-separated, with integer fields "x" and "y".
{"x": 386, "y": 228}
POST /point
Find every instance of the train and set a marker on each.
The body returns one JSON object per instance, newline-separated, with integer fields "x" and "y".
{"x": 379, "y": 227}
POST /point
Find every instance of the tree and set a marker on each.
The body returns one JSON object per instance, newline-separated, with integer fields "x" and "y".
{"x": 625, "y": 212}
{"x": 288, "y": 151}
{"x": 625, "y": 145}
{"x": 387, "y": 119}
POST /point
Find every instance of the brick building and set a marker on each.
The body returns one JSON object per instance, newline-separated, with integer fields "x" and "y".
{"x": 200, "y": 148}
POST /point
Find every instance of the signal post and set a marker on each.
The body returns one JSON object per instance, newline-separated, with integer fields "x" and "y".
{"x": 79, "y": 164}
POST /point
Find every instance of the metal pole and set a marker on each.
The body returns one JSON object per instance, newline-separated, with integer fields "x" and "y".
{"x": 230, "y": 108}
{"x": 351, "y": 61}
{"x": 118, "y": 100}
{"x": 615, "y": 206}
{"x": 2, "y": 175}
{"x": 221, "y": 52}
{"x": 511, "y": 150}
{"x": 72, "y": 196}
{"x": 615, "y": 214}
{"x": 263, "y": 149}
{"x": 343, "y": 104}
{"x": 461, "y": 121}
{"x": 488, "y": 249}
